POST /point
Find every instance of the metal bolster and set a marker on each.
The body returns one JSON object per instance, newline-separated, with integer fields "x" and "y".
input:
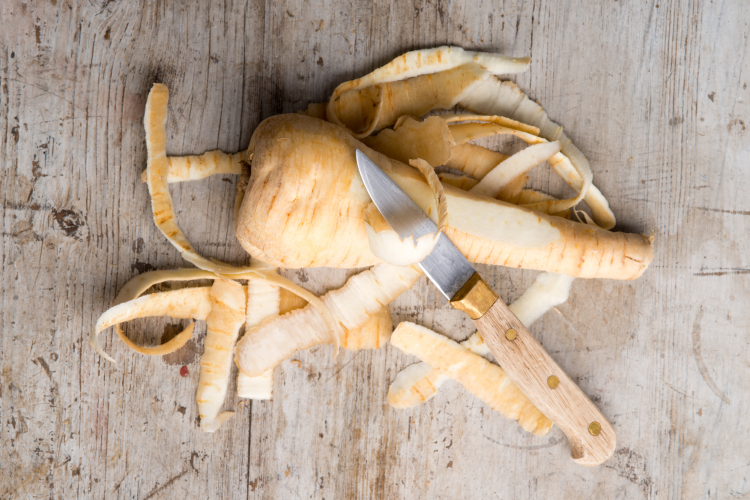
{"x": 474, "y": 298}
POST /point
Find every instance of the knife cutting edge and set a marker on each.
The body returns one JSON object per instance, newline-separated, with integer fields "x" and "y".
{"x": 592, "y": 438}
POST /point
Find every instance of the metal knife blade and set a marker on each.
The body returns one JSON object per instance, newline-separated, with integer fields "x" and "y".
{"x": 446, "y": 267}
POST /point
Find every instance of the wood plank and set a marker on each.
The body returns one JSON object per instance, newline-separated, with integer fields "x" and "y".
{"x": 656, "y": 97}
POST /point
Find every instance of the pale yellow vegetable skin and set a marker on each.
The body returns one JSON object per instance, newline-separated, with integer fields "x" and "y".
{"x": 419, "y": 382}
{"x": 304, "y": 208}
{"x": 482, "y": 378}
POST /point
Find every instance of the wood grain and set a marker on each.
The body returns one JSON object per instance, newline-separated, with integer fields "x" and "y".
{"x": 655, "y": 94}
{"x": 530, "y": 367}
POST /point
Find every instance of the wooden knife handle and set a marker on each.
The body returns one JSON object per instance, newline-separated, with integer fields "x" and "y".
{"x": 592, "y": 438}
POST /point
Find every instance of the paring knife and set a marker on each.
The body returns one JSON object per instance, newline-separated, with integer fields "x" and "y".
{"x": 592, "y": 438}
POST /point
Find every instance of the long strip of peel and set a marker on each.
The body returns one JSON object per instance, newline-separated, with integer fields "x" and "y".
{"x": 310, "y": 297}
{"x": 157, "y": 170}
{"x": 188, "y": 303}
{"x": 494, "y": 97}
{"x": 466, "y": 130}
{"x": 223, "y": 325}
{"x": 363, "y": 295}
{"x": 420, "y": 382}
{"x": 263, "y": 298}
{"x": 413, "y": 64}
{"x": 262, "y": 303}
{"x": 515, "y": 166}
{"x": 502, "y": 121}
{"x": 193, "y": 168}
{"x": 374, "y": 104}
{"x": 485, "y": 380}
{"x": 474, "y": 160}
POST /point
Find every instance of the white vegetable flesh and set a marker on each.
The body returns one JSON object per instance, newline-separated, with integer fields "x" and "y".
{"x": 262, "y": 302}
{"x": 223, "y": 326}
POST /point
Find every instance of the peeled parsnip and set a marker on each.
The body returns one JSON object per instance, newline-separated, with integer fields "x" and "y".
{"x": 189, "y": 303}
{"x": 305, "y": 201}
{"x": 353, "y": 305}
{"x": 223, "y": 326}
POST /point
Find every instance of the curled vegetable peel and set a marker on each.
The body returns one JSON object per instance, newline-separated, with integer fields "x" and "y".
{"x": 420, "y": 382}
{"x": 189, "y": 303}
{"x": 157, "y": 173}
{"x": 363, "y": 295}
{"x": 489, "y": 382}
{"x": 413, "y": 64}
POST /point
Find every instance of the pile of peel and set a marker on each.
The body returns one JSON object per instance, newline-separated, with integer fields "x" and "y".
{"x": 300, "y": 202}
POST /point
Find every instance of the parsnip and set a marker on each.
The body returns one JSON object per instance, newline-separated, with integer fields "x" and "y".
{"x": 223, "y": 325}
{"x": 482, "y": 378}
{"x": 305, "y": 201}
{"x": 363, "y": 295}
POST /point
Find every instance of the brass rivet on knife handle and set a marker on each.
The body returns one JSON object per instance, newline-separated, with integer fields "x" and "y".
{"x": 475, "y": 297}
{"x": 595, "y": 428}
{"x": 553, "y": 382}
{"x": 511, "y": 334}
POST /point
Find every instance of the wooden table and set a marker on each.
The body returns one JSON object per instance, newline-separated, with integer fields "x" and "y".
{"x": 654, "y": 93}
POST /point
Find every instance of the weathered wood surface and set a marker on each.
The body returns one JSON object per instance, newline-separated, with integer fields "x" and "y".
{"x": 654, "y": 93}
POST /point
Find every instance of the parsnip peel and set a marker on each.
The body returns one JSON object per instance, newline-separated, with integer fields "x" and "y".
{"x": 157, "y": 171}
{"x": 411, "y": 65}
{"x": 514, "y": 167}
{"x": 310, "y": 297}
{"x": 484, "y": 379}
{"x": 357, "y": 302}
{"x": 410, "y": 139}
{"x": 223, "y": 324}
{"x": 188, "y": 303}
{"x": 420, "y": 382}
{"x": 191, "y": 168}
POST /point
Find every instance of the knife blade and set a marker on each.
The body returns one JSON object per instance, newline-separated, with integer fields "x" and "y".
{"x": 592, "y": 438}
